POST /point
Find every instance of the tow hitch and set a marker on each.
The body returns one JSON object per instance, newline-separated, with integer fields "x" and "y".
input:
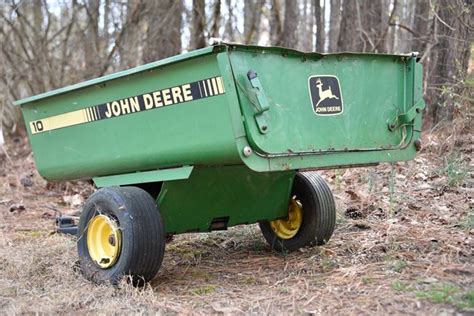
{"x": 66, "y": 225}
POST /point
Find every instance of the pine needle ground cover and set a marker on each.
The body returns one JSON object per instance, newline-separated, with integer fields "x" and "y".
{"x": 403, "y": 244}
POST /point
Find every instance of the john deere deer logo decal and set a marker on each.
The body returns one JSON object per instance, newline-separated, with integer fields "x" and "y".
{"x": 325, "y": 94}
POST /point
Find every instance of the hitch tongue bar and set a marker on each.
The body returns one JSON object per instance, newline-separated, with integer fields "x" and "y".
{"x": 66, "y": 225}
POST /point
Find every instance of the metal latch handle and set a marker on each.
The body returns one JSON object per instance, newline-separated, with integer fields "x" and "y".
{"x": 408, "y": 116}
{"x": 262, "y": 105}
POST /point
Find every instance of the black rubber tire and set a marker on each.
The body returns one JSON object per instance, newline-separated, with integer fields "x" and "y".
{"x": 143, "y": 235}
{"x": 319, "y": 215}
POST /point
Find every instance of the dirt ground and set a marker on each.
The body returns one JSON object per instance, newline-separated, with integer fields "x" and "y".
{"x": 403, "y": 245}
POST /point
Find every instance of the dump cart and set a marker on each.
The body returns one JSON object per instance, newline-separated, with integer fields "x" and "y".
{"x": 217, "y": 137}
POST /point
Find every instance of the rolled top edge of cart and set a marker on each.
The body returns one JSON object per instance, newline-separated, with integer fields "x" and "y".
{"x": 269, "y": 108}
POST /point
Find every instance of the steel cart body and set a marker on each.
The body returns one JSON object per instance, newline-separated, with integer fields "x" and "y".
{"x": 220, "y": 136}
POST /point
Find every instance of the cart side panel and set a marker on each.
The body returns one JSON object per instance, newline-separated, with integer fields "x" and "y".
{"x": 186, "y": 132}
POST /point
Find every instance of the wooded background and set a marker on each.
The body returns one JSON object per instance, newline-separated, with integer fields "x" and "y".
{"x": 47, "y": 44}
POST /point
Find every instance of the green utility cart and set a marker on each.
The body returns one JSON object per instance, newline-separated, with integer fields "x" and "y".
{"x": 217, "y": 137}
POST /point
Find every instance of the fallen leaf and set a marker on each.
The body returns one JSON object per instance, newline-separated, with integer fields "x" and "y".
{"x": 73, "y": 200}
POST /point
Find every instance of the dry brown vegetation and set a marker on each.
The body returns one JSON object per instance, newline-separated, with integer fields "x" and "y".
{"x": 404, "y": 237}
{"x": 403, "y": 244}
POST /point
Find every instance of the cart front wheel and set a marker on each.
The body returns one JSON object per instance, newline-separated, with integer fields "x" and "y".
{"x": 311, "y": 216}
{"x": 120, "y": 233}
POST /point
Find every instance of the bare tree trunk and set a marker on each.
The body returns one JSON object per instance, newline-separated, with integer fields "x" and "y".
{"x": 216, "y": 17}
{"x": 229, "y": 26}
{"x": 370, "y": 25}
{"x": 392, "y": 30}
{"x": 198, "y": 38}
{"x": 303, "y": 27}
{"x": 38, "y": 16}
{"x": 376, "y": 25}
{"x": 403, "y": 37}
{"x": 421, "y": 25}
{"x": 382, "y": 44}
{"x": 92, "y": 52}
{"x": 451, "y": 30}
{"x": 334, "y": 24}
{"x": 289, "y": 35}
{"x": 252, "y": 18}
{"x": 421, "y": 34}
{"x": 319, "y": 14}
{"x": 129, "y": 47}
{"x": 106, "y": 35}
{"x": 306, "y": 25}
{"x": 275, "y": 24}
{"x": 249, "y": 14}
{"x": 164, "y": 29}
{"x": 349, "y": 34}
{"x": 40, "y": 54}
{"x": 35, "y": 8}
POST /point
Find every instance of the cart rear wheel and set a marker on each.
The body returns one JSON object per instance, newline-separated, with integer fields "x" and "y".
{"x": 120, "y": 233}
{"x": 311, "y": 216}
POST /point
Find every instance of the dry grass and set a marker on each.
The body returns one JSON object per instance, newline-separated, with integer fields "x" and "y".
{"x": 403, "y": 245}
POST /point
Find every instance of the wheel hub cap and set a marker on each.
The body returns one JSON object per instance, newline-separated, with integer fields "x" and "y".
{"x": 103, "y": 241}
{"x": 288, "y": 228}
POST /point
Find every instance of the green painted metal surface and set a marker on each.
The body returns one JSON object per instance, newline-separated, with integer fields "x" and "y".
{"x": 233, "y": 194}
{"x": 375, "y": 90}
{"x": 187, "y": 133}
{"x": 144, "y": 177}
{"x": 373, "y": 94}
{"x": 246, "y": 118}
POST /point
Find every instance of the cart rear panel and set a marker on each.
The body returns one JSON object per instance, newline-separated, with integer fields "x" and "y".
{"x": 336, "y": 103}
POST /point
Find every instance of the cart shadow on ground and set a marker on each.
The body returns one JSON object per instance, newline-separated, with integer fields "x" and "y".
{"x": 237, "y": 255}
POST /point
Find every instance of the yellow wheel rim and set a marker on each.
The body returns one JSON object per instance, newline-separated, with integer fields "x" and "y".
{"x": 288, "y": 228}
{"x": 103, "y": 241}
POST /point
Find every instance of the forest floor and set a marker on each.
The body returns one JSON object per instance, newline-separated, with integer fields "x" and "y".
{"x": 403, "y": 244}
